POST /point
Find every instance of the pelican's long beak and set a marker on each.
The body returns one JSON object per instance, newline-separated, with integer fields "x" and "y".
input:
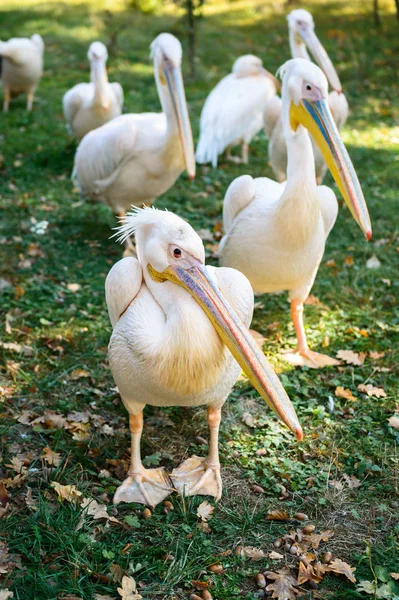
{"x": 321, "y": 57}
{"x": 317, "y": 118}
{"x": 176, "y": 88}
{"x": 236, "y": 337}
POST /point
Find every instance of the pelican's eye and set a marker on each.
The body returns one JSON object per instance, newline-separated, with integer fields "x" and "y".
{"x": 177, "y": 253}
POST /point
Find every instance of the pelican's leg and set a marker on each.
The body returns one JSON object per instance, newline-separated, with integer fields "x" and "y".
{"x": 29, "y": 102}
{"x": 146, "y": 486}
{"x": 244, "y": 153}
{"x": 311, "y": 359}
{"x": 202, "y": 475}
{"x": 6, "y": 99}
{"x": 130, "y": 248}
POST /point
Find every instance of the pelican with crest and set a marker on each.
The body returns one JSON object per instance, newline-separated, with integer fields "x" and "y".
{"x": 275, "y": 233}
{"x": 302, "y": 35}
{"x": 180, "y": 338}
{"x": 134, "y": 158}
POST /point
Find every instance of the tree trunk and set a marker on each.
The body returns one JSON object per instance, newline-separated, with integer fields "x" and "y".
{"x": 191, "y": 30}
{"x": 397, "y": 9}
{"x": 377, "y": 20}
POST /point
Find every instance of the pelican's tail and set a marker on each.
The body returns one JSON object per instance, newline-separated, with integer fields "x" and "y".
{"x": 207, "y": 151}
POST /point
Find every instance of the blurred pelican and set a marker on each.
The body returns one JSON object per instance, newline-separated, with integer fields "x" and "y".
{"x": 177, "y": 325}
{"x": 276, "y": 232}
{"x": 136, "y": 157}
{"x": 21, "y": 67}
{"x": 233, "y": 111}
{"x": 301, "y": 32}
{"x": 89, "y": 105}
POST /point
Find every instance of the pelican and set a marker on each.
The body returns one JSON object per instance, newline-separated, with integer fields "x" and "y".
{"x": 177, "y": 325}
{"x": 87, "y": 106}
{"x": 275, "y": 233}
{"x": 21, "y": 66}
{"x": 136, "y": 157}
{"x": 233, "y": 111}
{"x": 301, "y": 34}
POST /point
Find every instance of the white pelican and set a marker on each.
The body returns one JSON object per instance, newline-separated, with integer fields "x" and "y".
{"x": 89, "y": 105}
{"x": 233, "y": 111}
{"x": 21, "y": 66}
{"x": 276, "y": 232}
{"x": 301, "y": 34}
{"x": 136, "y": 157}
{"x": 172, "y": 331}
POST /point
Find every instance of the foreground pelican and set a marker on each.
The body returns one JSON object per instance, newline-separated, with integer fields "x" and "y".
{"x": 233, "y": 111}
{"x": 89, "y": 105}
{"x": 301, "y": 33}
{"x": 21, "y": 66}
{"x": 173, "y": 341}
{"x": 136, "y": 157}
{"x": 276, "y": 233}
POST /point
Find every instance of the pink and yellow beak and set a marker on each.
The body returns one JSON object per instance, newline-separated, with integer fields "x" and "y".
{"x": 175, "y": 84}
{"x": 236, "y": 337}
{"x": 317, "y": 118}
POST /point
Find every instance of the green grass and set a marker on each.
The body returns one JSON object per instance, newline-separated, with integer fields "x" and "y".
{"x": 67, "y": 330}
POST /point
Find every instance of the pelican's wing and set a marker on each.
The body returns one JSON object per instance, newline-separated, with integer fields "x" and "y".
{"x": 102, "y": 153}
{"x": 240, "y": 193}
{"x": 122, "y": 286}
{"x": 237, "y": 290}
{"x": 73, "y": 100}
{"x": 328, "y": 206}
{"x": 272, "y": 114}
{"x": 118, "y": 91}
{"x": 229, "y": 112}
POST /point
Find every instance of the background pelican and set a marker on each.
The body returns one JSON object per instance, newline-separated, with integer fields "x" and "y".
{"x": 276, "y": 233}
{"x": 233, "y": 111}
{"x": 136, "y": 157}
{"x": 172, "y": 328}
{"x": 21, "y": 66}
{"x": 301, "y": 34}
{"x": 88, "y": 105}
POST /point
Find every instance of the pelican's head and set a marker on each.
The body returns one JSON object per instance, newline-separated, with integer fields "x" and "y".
{"x": 305, "y": 94}
{"x": 301, "y": 26}
{"x": 249, "y": 65}
{"x": 97, "y": 52}
{"x": 169, "y": 250}
{"x": 167, "y": 53}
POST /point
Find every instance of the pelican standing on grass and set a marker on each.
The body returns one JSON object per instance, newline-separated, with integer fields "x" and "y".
{"x": 233, "y": 111}
{"x": 21, "y": 67}
{"x": 89, "y": 105}
{"x": 177, "y": 325}
{"x": 301, "y": 34}
{"x": 136, "y": 157}
{"x": 275, "y": 233}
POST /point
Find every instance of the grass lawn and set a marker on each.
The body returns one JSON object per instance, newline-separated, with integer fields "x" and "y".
{"x": 343, "y": 476}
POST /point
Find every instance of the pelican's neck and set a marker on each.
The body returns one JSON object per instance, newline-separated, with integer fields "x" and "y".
{"x": 299, "y": 209}
{"x": 297, "y": 46}
{"x": 98, "y": 75}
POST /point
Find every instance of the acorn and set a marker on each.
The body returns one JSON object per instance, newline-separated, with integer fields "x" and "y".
{"x": 308, "y": 529}
{"x": 301, "y": 516}
{"x": 260, "y": 580}
{"x": 327, "y": 557}
{"x": 294, "y": 550}
{"x": 146, "y": 513}
{"x": 206, "y": 595}
{"x": 195, "y": 597}
{"x": 218, "y": 568}
{"x": 278, "y": 543}
{"x": 168, "y": 506}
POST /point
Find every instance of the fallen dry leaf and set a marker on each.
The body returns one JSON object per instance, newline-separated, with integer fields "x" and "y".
{"x": 128, "y": 591}
{"x": 340, "y": 567}
{"x": 373, "y": 263}
{"x": 394, "y": 421}
{"x": 66, "y": 492}
{"x": 205, "y": 511}
{"x": 248, "y": 420}
{"x": 275, "y": 555}
{"x": 17, "y": 465}
{"x": 283, "y": 586}
{"x": 73, "y": 287}
{"x": 30, "y": 501}
{"x": 306, "y": 573}
{"x": 376, "y": 355}
{"x": 351, "y": 358}
{"x": 278, "y": 515}
{"x": 352, "y": 481}
{"x": 371, "y": 390}
{"x": 341, "y": 392}
{"x": 52, "y": 458}
{"x": 315, "y": 538}
{"x": 93, "y": 509}
{"x": 5, "y": 594}
{"x": 78, "y": 374}
{"x": 250, "y": 552}
{"x": 395, "y": 576}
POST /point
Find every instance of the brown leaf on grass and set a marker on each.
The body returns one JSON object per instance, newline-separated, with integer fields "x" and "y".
{"x": 128, "y": 591}
{"x": 12, "y": 368}
{"x": 205, "y": 511}
{"x": 371, "y": 390}
{"x": 394, "y": 421}
{"x": 50, "y": 419}
{"x": 200, "y": 585}
{"x": 341, "y": 392}
{"x": 78, "y": 374}
{"x": 278, "y": 515}
{"x": 17, "y": 465}
{"x": 248, "y": 420}
{"x": 314, "y": 539}
{"x": 283, "y": 586}
{"x": 204, "y": 527}
{"x": 306, "y": 573}
{"x": 6, "y": 594}
{"x": 395, "y": 576}
{"x": 79, "y": 417}
{"x": 340, "y": 567}
{"x": 351, "y": 358}
{"x": 93, "y": 509}
{"x": 250, "y": 552}
{"x": 275, "y": 555}
{"x": 52, "y": 458}
{"x": 66, "y": 492}
{"x": 30, "y": 501}
{"x": 376, "y": 355}
{"x": 80, "y": 431}
{"x": 352, "y": 481}
{"x": 117, "y": 573}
